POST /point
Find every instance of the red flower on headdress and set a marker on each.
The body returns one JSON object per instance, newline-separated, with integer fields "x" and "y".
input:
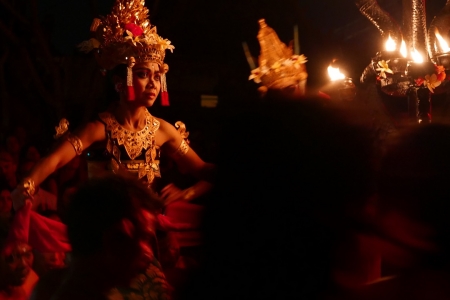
{"x": 134, "y": 29}
{"x": 441, "y": 76}
{"x": 419, "y": 81}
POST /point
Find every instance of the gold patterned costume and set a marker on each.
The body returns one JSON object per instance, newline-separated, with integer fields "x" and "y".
{"x": 133, "y": 151}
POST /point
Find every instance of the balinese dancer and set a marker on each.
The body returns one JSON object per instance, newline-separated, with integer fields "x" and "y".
{"x": 126, "y": 44}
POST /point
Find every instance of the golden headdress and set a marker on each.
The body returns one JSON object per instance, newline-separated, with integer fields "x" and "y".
{"x": 278, "y": 67}
{"x": 125, "y": 36}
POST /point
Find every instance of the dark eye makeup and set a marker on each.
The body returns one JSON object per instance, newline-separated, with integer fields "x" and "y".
{"x": 146, "y": 73}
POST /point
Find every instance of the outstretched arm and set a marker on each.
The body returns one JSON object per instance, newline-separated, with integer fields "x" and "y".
{"x": 188, "y": 162}
{"x": 61, "y": 155}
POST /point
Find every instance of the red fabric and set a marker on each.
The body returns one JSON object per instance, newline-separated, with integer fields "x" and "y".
{"x": 41, "y": 233}
{"x": 165, "y": 98}
{"x": 165, "y": 223}
{"x": 134, "y": 29}
{"x": 47, "y": 235}
{"x": 130, "y": 93}
{"x": 324, "y": 95}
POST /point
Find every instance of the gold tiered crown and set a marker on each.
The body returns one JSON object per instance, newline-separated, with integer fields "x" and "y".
{"x": 278, "y": 67}
{"x": 126, "y": 32}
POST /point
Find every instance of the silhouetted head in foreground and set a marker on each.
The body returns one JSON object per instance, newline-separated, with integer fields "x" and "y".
{"x": 111, "y": 225}
{"x": 290, "y": 172}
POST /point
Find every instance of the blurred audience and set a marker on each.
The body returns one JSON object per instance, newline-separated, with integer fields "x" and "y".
{"x": 13, "y": 147}
{"x": 29, "y": 152}
{"x": 5, "y": 200}
{"x": 5, "y": 209}
{"x": 22, "y": 136}
{"x": 8, "y": 169}
{"x": 17, "y": 278}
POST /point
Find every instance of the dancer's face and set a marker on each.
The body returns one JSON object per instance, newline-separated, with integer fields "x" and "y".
{"x": 146, "y": 82}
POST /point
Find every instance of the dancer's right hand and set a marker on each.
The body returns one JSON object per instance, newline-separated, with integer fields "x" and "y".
{"x": 19, "y": 196}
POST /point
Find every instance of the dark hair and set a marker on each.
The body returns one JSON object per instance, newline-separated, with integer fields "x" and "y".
{"x": 100, "y": 204}
{"x": 4, "y": 185}
{"x": 119, "y": 70}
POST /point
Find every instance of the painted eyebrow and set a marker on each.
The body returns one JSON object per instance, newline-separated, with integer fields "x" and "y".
{"x": 147, "y": 69}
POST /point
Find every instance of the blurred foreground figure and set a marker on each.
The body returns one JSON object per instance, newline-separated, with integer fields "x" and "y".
{"x": 288, "y": 188}
{"x": 412, "y": 226}
{"x": 111, "y": 224}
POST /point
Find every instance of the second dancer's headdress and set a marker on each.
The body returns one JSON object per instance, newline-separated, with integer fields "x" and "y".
{"x": 125, "y": 36}
{"x": 278, "y": 67}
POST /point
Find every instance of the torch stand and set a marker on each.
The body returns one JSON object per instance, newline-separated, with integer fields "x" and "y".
{"x": 419, "y": 100}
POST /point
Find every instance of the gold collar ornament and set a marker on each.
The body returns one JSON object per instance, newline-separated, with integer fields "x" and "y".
{"x": 134, "y": 143}
{"x": 125, "y": 36}
{"x": 278, "y": 67}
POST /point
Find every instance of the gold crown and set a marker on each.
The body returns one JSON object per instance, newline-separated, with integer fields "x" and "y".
{"x": 126, "y": 32}
{"x": 278, "y": 67}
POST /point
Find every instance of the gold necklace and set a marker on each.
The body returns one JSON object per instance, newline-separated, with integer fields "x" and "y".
{"x": 133, "y": 141}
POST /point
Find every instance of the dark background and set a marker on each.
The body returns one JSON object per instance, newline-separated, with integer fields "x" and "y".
{"x": 213, "y": 31}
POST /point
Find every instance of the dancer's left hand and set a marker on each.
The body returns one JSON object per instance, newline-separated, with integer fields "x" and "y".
{"x": 171, "y": 193}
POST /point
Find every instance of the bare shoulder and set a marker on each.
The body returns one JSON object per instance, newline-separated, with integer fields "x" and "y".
{"x": 165, "y": 126}
{"x": 167, "y": 133}
{"x": 92, "y": 131}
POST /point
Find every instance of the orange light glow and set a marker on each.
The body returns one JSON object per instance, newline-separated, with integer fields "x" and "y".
{"x": 390, "y": 44}
{"x": 442, "y": 42}
{"x": 403, "y": 49}
{"x": 335, "y": 74}
{"x": 416, "y": 56}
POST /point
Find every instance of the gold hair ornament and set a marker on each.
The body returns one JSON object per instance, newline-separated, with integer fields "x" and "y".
{"x": 126, "y": 32}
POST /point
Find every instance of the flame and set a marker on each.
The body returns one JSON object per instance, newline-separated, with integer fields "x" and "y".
{"x": 403, "y": 49}
{"x": 416, "y": 56}
{"x": 390, "y": 44}
{"x": 335, "y": 74}
{"x": 442, "y": 42}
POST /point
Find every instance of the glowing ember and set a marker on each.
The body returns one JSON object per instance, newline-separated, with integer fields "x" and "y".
{"x": 442, "y": 42}
{"x": 390, "y": 44}
{"x": 335, "y": 74}
{"x": 416, "y": 56}
{"x": 403, "y": 49}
